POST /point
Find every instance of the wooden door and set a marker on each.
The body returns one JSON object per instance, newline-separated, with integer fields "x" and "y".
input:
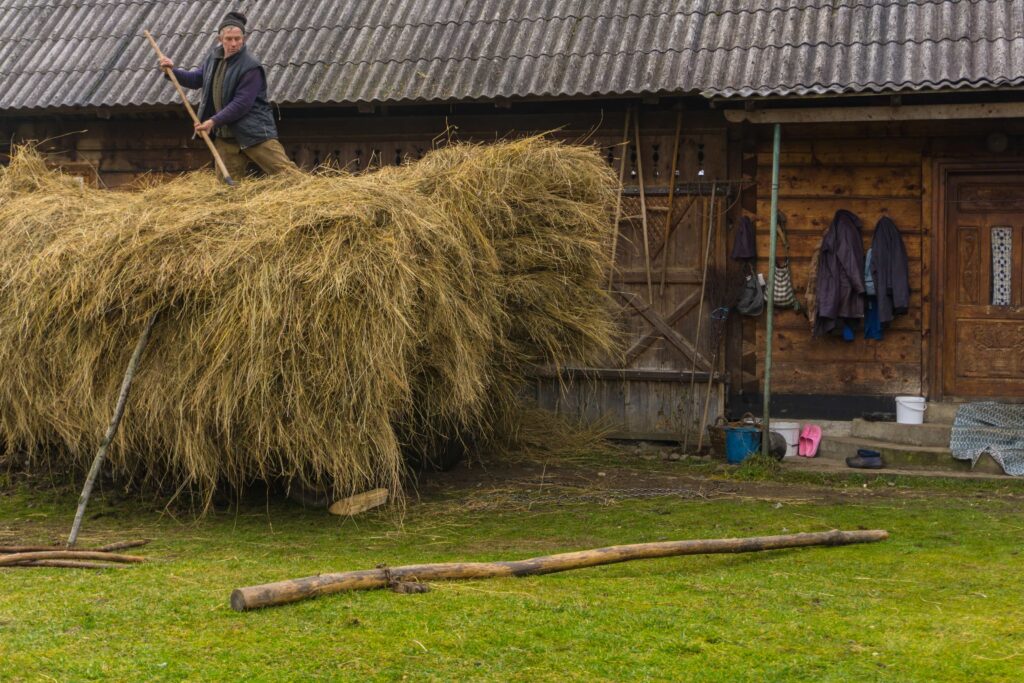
{"x": 982, "y": 348}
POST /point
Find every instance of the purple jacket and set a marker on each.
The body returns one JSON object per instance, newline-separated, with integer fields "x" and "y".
{"x": 840, "y": 285}
{"x": 245, "y": 95}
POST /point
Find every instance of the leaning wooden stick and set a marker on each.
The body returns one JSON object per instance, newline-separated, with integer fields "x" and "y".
{"x": 101, "y": 453}
{"x": 618, "y": 198}
{"x": 691, "y": 402}
{"x": 191, "y": 112}
{"x": 643, "y": 206}
{"x": 671, "y": 200}
{"x": 280, "y": 593}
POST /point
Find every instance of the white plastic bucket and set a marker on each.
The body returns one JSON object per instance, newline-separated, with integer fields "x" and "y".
{"x": 910, "y": 410}
{"x": 790, "y": 431}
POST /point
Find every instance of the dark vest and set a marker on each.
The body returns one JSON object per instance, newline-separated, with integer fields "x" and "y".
{"x": 256, "y": 126}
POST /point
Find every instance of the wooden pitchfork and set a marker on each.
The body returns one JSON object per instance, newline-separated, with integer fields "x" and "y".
{"x": 203, "y": 134}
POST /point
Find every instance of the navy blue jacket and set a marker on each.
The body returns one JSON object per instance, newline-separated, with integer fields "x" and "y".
{"x": 889, "y": 270}
{"x": 247, "y": 111}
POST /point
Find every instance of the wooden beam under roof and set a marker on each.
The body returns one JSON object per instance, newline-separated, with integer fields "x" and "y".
{"x": 917, "y": 112}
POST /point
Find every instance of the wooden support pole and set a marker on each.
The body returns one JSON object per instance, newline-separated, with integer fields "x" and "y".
{"x": 101, "y": 453}
{"x": 618, "y": 199}
{"x": 766, "y": 417}
{"x": 283, "y": 592}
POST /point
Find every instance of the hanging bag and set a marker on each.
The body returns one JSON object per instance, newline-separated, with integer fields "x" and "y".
{"x": 783, "y": 293}
{"x": 751, "y": 301}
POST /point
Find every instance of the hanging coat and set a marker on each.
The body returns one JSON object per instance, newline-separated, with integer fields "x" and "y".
{"x": 744, "y": 245}
{"x": 890, "y": 271}
{"x": 840, "y": 277}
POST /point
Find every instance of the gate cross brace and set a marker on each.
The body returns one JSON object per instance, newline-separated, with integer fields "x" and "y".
{"x": 663, "y": 328}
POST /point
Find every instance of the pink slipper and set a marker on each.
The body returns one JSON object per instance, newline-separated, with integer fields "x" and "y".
{"x": 810, "y": 437}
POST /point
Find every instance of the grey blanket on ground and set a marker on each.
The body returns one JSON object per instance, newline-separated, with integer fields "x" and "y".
{"x": 993, "y": 428}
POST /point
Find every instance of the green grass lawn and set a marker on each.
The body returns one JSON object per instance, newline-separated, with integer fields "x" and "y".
{"x": 940, "y": 601}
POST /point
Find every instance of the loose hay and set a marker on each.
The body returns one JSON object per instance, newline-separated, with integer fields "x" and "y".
{"x": 310, "y": 328}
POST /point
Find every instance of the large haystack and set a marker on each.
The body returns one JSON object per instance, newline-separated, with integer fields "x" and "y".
{"x": 310, "y": 328}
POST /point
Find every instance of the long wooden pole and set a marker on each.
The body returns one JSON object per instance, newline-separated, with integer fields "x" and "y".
{"x": 115, "y": 420}
{"x": 191, "y": 112}
{"x": 671, "y": 200}
{"x": 770, "y": 320}
{"x": 700, "y": 314}
{"x": 618, "y": 199}
{"x": 643, "y": 208}
{"x": 283, "y": 592}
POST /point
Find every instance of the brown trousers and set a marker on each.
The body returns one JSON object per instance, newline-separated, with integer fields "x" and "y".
{"x": 268, "y": 155}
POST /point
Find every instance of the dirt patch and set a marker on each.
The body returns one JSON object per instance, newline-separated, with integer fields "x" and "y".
{"x": 592, "y": 482}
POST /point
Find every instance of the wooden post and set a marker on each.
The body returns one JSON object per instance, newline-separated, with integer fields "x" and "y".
{"x": 770, "y": 322}
{"x": 101, "y": 453}
{"x": 282, "y": 592}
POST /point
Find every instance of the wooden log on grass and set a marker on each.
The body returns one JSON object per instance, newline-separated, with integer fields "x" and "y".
{"x": 122, "y": 545}
{"x": 361, "y": 502}
{"x": 109, "y": 548}
{"x": 70, "y": 564}
{"x": 5, "y": 549}
{"x": 282, "y": 592}
{"x": 18, "y": 558}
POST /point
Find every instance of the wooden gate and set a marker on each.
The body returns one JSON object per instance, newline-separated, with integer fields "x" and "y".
{"x": 646, "y": 393}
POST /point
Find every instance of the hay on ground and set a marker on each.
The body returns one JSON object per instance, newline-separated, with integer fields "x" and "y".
{"x": 310, "y": 328}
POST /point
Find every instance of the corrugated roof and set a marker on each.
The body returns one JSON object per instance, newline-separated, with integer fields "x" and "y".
{"x": 90, "y": 53}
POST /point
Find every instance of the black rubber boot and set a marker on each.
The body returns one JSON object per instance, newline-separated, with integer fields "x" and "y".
{"x": 866, "y": 460}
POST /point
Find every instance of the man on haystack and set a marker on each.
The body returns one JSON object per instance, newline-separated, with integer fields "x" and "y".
{"x": 234, "y": 109}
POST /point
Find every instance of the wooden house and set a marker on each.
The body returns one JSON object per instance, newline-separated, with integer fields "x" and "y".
{"x": 909, "y": 110}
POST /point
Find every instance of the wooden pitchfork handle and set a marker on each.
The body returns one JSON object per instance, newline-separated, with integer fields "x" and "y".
{"x": 206, "y": 138}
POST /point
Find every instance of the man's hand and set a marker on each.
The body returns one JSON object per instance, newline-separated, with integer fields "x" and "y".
{"x": 204, "y": 127}
{"x": 166, "y": 63}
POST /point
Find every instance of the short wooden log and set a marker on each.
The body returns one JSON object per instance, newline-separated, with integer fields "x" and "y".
{"x": 361, "y": 502}
{"x": 18, "y": 558}
{"x": 282, "y": 592}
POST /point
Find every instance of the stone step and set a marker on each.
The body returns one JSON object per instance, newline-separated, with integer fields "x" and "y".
{"x": 940, "y": 413}
{"x": 902, "y": 456}
{"x": 838, "y": 467}
{"x": 929, "y": 434}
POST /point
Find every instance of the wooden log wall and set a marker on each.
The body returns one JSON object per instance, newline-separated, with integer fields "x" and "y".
{"x": 820, "y": 175}
{"x": 873, "y": 170}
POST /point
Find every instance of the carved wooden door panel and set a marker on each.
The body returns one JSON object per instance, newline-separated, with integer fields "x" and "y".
{"x": 983, "y": 297}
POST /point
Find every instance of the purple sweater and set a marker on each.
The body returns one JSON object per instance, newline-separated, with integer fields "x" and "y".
{"x": 245, "y": 94}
